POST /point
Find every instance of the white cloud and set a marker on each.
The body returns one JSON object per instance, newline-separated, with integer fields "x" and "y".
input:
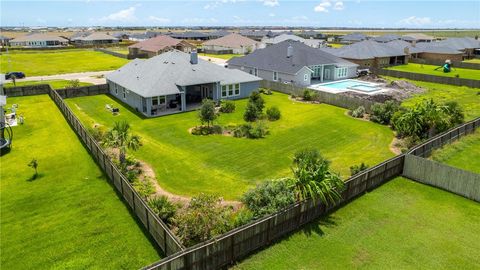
{"x": 325, "y": 5}
{"x": 216, "y": 4}
{"x": 271, "y": 15}
{"x": 415, "y": 21}
{"x": 158, "y": 19}
{"x": 125, "y": 15}
{"x": 270, "y": 3}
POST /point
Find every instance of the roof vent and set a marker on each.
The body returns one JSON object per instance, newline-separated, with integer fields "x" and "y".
{"x": 193, "y": 58}
{"x": 289, "y": 51}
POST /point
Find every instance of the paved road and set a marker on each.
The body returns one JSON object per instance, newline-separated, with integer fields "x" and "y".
{"x": 89, "y": 77}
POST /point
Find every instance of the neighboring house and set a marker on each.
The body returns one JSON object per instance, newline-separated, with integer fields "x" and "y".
{"x": 39, "y": 40}
{"x": 191, "y": 35}
{"x": 143, "y": 36}
{"x": 176, "y": 82}
{"x": 158, "y": 45}
{"x": 387, "y": 38}
{"x": 312, "y": 34}
{"x": 352, "y": 38}
{"x": 95, "y": 38}
{"x": 218, "y": 34}
{"x": 257, "y": 35}
{"x": 314, "y": 43}
{"x": 470, "y": 47}
{"x": 121, "y": 35}
{"x": 4, "y": 41}
{"x": 294, "y": 62}
{"x": 417, "y": 37}
{"x": 434, "y": 51}
{"x": 233, "y": 43}
{"x": 371, "y": 54}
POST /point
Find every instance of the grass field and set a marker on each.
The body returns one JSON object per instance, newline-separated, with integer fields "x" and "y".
{"x": 476, "y": 60}
{"x": 463, "y": 154}
{"x": 400, "y": 225}
{"x": 468, "y": 98}
{"x": 55, "y": 84}
{"x": 69, "y": 217}
{"x": 222, "y": 56}
{"x": 36, "y": 63}
{"x": 187, "y": 164}
{"x": 335, "y": 45}
{"x": 473, "y": 74}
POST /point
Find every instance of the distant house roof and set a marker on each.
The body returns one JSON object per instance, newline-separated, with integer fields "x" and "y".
{"x": 417, "y": 36}
{"x": 387, "y": 38}
{"x": 218, "y": 34}
{"x": 316, "y": 43}
{"x": 189, "y": 35}
{"x": 120, "y": 35}
{"x": 95, "y": 36}
{"x": 257, "y": 33}
{"x": 353, "y": 37}
{"x": 461, "y": 43}
{"x": 275, "y": 58}
{"x": 156, "y": 44}
{"x": 4, "y": 38}
{"x": 231, "y": 41}
{"x": 165, "y": 73}
{"x": 436, "y": 47}
{"x": 367, "y": 49}
{"x": 39, "y": 37}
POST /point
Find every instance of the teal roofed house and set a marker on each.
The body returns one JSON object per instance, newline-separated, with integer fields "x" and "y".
{"x": 175, "y": 81}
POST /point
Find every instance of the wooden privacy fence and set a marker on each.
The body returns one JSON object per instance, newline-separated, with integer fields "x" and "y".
{"x": 338, "y": 100}
{"x": 425, "y": 149}
{"x": 455, "y": 64}
{"x": 154, "y": 225}
{"x": 463, "y": 183}
{"x": 234, "y": 245}
{"x": 429, "y": 78}
{"x": 41, "y": 89}
{"x": 117, "y": 54}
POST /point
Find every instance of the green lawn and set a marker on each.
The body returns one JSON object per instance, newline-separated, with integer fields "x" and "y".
{"x": 468, "y": 98}
{"x": 69, "y": 217}
{"x": 222, "y": 56}
{"x": 400, "y": 225}
{"x": 475, "y": 60}
{"x": 55, "y": 84}
{"x": 463, "y": 154}
{"x": 36, "y": 63}
{"x": 429, "y": 69}
{"x": 187, "y": 164}
{"x": 335, "y": 45}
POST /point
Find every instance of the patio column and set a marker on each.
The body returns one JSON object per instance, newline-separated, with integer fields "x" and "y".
{"x": 321, "y": 73}
{"x": 183, "y": 101}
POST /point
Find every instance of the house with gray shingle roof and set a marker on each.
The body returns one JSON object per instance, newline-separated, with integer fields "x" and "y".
{"x": 352, "y": 38}
{"x": 233, "y": 43}
{"x": 314, "y": 43}
{"x": 39, "y": 40}
{"x": 95, "y": 38}
{"x": 175, "y": 81}
{"x": 159, "y": 44}
{"x": 190, "y": 35}
{"x": 387, "y": 38}
{"x": 294, "y": 62}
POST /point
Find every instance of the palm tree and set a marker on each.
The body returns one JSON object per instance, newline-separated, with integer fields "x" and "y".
{"x": 119, "y": 137}
{"x": 312, "y": 177}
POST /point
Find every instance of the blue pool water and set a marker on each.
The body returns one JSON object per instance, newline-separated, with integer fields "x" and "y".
{"x": 352, "y": 85}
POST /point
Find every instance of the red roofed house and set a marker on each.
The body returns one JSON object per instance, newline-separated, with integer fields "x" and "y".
{"x": 159, "y": 44}
{"x": 233, "y": 43}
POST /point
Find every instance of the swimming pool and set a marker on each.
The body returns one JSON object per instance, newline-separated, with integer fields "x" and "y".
{"x": 348, "y": 85}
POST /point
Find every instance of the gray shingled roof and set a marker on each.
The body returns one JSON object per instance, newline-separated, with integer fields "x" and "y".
{"x": 39, "y": 37}
{"x": 164, "y": 73}
{"x": 435, "y": 47}
{"x": 353, "y": 37}
{"x": 275, "y": 58}
{"x": 461, "y": 43}
{"x": 387, "y": 38}
{"x": 283, "y": 37}
{"x": 190, "y": 34}
{"x": 95, "y": 36}
{"x": 367, "y": 49}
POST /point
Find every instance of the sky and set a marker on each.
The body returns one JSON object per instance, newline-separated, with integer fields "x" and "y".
{"x": 316, "y": 13}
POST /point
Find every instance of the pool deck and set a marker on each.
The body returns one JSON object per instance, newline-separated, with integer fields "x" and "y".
{"x": 324, "y": 87}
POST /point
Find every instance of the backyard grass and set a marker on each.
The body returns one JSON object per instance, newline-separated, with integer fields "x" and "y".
{"x": 69, "y": 217}
{"x": 475, "y": 60}
{"x": 468, "y": 98}
{"x": 335, "y": 45}
{"x": 464, "y": 73}
{"x": 400, "y": 225}
{"x": 186, "y": 164}
{"x": 222, "y": 56}
{"x": 36, "y": 63}
{"x": 463, "y": 154}
{"x": 55, "y": 84}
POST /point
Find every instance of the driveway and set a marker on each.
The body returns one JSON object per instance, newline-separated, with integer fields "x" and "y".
{"x": 95, "y": 77}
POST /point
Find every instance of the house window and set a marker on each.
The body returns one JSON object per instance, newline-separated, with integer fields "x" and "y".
{"x": 255, "y": 71}
{"x": 341, "y": 72}
{"x": 305, "y": 77}
{"x": 275, "y": 76}
{"x": 116, "y": 89}
{"x": 158, "y": 100}
{"x": 230, "y": 90}
{"x": 124, "y": 93}
{"x": 224, "y": 90}
{"x": 154, "y": 101}
{"x": 237, "y": 89}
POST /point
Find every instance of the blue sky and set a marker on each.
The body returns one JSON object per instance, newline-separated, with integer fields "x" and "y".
{"x": 319, "y": 13}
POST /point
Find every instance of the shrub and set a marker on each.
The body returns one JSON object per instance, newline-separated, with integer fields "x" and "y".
{"x": 227, "y": 106}
{"x": 203, "y": 218}
{"x": 207, "y": 112}
{"x": 144, "y": 187}
{"x": 307, "y": 95}
{"x": 358, "y": 112}
{"x": 273, "y": 113}
{"x": 257, "y": 100}
{"x": 207, "y": 130}
{"x": 251, "y": 131}
{"x": 75, "y": 83}
{"x": 268, "y": 197}
{"x": 241, "y": 217}
{"x": 163, "y": 208}
{"x": 355, "y": 169}
{"x": 382, "y": 113}
{"x": 251, "y": 112}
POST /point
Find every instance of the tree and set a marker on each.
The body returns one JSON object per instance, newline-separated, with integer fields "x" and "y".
{"x": 75, "y": 83}
{"x": 207, "y": 112}
{"x": 312, "y": 177}
{"x": 257, "y": 99}
{"x": 34, "y": 165}
{"x": 268, "y": 197}
{"x": 251, "y": 112}
{"x": 119, "y": 137}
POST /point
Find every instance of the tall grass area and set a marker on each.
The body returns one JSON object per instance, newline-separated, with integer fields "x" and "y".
{"x": 37, "y": 63}
{"x": 464, "y": 73}
{"x": 400, "y": 225}
{"x": 187, "y": 164}
{"x": 468, "y": 98}
{"x": 69, "y": 217}
{"x": 463, "y": 154}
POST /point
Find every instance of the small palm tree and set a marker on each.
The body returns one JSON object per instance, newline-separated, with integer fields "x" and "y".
{"x": 34, "y": 165}
{"x": 312, "y": 177}
{"x": 119, "y": 137}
